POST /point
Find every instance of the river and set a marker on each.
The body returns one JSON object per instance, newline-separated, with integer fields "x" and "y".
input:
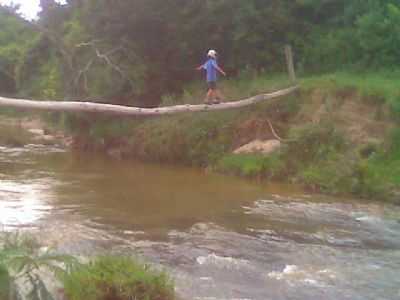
{"x": 220, "y": 237}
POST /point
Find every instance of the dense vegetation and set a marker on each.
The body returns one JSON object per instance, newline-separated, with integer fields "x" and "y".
{"x": 139, "y": 50}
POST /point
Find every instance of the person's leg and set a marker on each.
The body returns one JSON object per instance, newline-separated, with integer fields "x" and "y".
{"x": 209, "y": 96}
{"x": 218, "y": 95}
{"x": 213, "y": 87}
{"x": 211, "y": 92}
{"x": 213, "y": 95}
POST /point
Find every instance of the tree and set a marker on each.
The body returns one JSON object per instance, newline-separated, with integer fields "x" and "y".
{"x": 14, "y": 35}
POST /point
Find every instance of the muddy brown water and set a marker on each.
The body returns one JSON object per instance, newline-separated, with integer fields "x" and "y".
{"x": 219, "y": 237}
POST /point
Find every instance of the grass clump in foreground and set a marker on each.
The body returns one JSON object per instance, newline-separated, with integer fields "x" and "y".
{"x": 28, "y": 271}
{"x": 117, "y": 278}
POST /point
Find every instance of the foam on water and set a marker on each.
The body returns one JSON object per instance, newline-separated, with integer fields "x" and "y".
{"x": 293, "y": 274}
{"x": 221, "y": 262}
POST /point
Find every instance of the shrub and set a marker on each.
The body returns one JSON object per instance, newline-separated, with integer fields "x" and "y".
{"x": 117, "y": 278}
{"x": 373, "y": 180}
{"x": 313, "y": 143}
{"x": 333, "y": 175}
{"x": 21, "y": 260}
{"x": 250, "y": 165}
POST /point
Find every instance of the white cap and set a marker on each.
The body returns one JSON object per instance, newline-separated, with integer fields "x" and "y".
{"x": 212, "y": 53}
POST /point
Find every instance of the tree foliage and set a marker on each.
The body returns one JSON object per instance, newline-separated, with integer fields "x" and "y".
{"x": 133, "y": 52}
{"x": 14, "y": 35}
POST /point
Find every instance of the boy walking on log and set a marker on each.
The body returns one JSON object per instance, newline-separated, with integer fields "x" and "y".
{"x": 211, "y": 66}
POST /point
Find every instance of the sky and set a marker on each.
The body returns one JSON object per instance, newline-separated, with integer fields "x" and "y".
{"x": 29, "y": 8}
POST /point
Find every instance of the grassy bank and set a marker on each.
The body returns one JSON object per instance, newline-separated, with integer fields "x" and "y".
{"x": 379, "y": 87}
{"x": 378, "y": 162}
{"x": 342, "y": 133}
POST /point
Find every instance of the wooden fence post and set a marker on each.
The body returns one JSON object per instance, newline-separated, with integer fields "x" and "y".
{"x": 290, "y": 65}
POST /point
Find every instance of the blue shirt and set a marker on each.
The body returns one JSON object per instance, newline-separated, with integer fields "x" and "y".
{"x": 211, "y": 67}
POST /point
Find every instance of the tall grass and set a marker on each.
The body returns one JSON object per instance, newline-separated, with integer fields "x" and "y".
{"x": 117, "y": 278}
{"x": 382, "y": 86}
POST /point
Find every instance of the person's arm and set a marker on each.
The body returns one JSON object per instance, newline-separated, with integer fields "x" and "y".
{"x": 219, "y": 69}
{"x": 201, "y": 67}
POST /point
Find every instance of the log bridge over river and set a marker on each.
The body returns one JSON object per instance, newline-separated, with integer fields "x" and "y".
{"x": 91, "y": 107}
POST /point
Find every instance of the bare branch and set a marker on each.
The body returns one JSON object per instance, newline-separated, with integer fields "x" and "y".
{"x": 83, "y": 73}
{"x": 102, "y": 56}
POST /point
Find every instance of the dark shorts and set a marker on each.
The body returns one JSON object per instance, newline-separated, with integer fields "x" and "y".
{"x": 212, "y": 85}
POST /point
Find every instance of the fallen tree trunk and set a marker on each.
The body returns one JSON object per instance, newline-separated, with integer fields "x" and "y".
{"x": 90, "y": 107}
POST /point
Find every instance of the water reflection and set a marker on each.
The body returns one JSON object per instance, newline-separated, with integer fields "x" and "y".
{"x": 22, "y": 204}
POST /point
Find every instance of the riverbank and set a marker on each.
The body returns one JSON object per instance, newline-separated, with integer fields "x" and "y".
{"x": 338, "y": 135}
{"x": 17, "y": 131}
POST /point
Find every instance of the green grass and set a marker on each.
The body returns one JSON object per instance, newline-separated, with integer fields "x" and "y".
{"x": 5, "y": 282}
{"x": 384, "y": 165}
{"x": 117, "y": 278}
{"x": 382, "y": 87}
